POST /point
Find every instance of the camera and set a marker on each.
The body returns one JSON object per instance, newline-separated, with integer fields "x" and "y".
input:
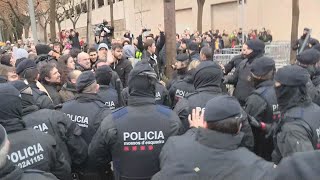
{"x": 104, "y": 27}
{"x": 145, "y": 30}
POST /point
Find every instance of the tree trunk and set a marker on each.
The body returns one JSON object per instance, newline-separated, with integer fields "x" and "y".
{"x": 111, "y": 14}
{"x": 45, "y": 34}
{"x": 52, "y": 18}
{"x": 294, "y": 28}
{"x": 74, "y": 25}
{"x": 170, "y": 29}
{"x": 89, "y": 4}
{"x": 200, "y": 13}
{"x": 26, "y": 30}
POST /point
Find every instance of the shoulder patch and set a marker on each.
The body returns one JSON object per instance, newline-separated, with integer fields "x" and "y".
{"x": 116, "y": 114}
{"x": 164, "y": 110}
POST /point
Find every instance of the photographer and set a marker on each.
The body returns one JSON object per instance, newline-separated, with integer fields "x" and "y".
{"x": 103, "y": 32}
{"x": 74, "y": 38}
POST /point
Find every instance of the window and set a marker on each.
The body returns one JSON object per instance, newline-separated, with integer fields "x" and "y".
{"x": 93, "y": 4}
{"x": 100, "y": 3}
{"x": 84, "y": 7}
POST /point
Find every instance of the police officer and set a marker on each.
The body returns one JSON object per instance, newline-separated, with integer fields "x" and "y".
{"x": 107, "y": 93}
{"x": 132, "y": 137}
{"x": 10, "y": 172}
{"x": 299, "y": 127}
{"x": 211, "y": 148}
{"x": 162, "y": 95}
{"x": 309, "y": 59}
{"x": 181, "y": 67}
{"x": 30, "y": 149}
{"x": 207, "y": 79}
{"x": 309, "y": 43}
{"x": 27, "y": 71}
{"x": 87, "y": 110}
{"x": 262, "y": 105}
{"x": 251, "y": 50}
{"x": 66, "y": 133}
{"x": 181, "y": 88}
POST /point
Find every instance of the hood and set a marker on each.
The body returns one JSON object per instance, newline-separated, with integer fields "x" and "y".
{"x": 11, "y": 106}
{"x": 207, "y": 74}
{"x": 129, "y": 51}
{"x": 291, "y": 96}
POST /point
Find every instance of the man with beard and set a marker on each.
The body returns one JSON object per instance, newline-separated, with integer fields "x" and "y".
{"x": 251, "y": 50}
{"x": 181, "y": 67}
{"x": 116, "y": 138}
{"x": 309, "y": 44}
{"x": 119, "y": 64}
{"x": 300, "y": 123}
{"x": 50, "y": 78}
{"x": 309, "y": 59}
{"x": 263, "y": 106}
{"x": 83, "y": 62}
{"x": 207, "y": 79}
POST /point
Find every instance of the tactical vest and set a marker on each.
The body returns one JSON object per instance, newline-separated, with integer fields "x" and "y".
{"x": 85, "y": 115}
{"x": 109, "y": 97}
{"x": 43, "y": 120}
{"x": 140, "y": 139}
{"x": 182, "y": 90}
{"x": 272, "y": 113}
{"x": 308, "y": 118}
{"x": 28, "y": 150}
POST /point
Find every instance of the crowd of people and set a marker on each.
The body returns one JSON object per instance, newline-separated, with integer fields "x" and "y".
{"x": 110, "y": 112}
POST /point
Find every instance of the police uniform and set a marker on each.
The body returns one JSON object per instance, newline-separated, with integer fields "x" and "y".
{"x": 161, "y": 95}
{"x": 181, "y": 89}
{"x": 29, "y": 148}
{"x": 207, "y": 154}
{"x": 308, "y": 59}
{"x": 132, "y": 136}
{"x": 66, "y": 133}
{"x": 299, "y": 128}
{"x": 109, "y": 96}
{"x": 263, "y": 106}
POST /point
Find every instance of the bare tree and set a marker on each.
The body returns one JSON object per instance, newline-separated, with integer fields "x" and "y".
{"x": 71, "y": 12}
{"x": 294, "y": 28}
{"x": 111, "y": 12}
{"x": 170, "y": 29}
{"x": 52, "y": 17}
{"x": 200, "y": 13}
{"x": 43, "y": 20}
{"x": 89, "y": 14}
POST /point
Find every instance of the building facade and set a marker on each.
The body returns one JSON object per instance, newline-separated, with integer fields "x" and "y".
{"x": 227, "y": 15}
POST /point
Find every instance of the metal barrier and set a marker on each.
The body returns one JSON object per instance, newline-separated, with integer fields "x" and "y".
{"x": 279, "y": 51}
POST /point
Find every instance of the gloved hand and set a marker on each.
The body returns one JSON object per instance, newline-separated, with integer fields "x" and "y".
{"x": 271, "y": 129}
{"x": 254, "y": 122}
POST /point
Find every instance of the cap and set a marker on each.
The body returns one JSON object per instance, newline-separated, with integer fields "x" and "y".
{"x": 142, "y": 68}
{"x": 182, "y": 57}
{"x": 221, "y": 107}
{"x": 103, "y": 45}
{"x": 193, "y": 46}
{"x": 309, "y": 56}
{"x": 3, "y": 136}
{"x": 256, "y": 45}
{"x": 21, "y": 53}
{"x": 262, "y": 66}
{"x": 8, "y": 90}
{"x": 25, "y": 64}
{"x": 20, "y": 85}
{"x": 292, "y": 75}
{"x": 8, "y": 42}
{"x": 84, "y": 80}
